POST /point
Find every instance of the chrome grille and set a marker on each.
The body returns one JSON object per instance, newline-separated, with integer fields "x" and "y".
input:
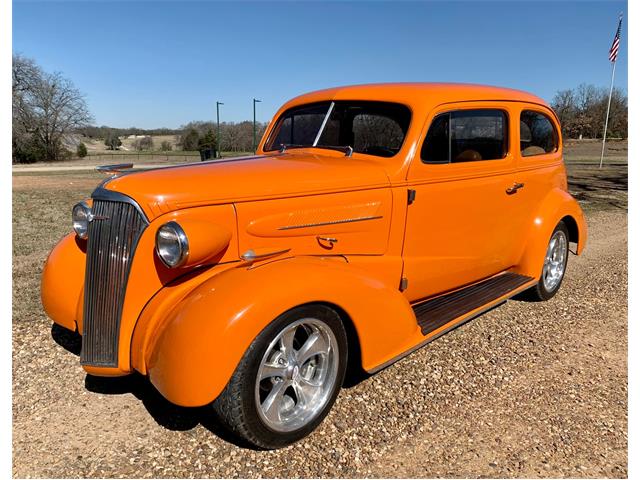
{"x": 112, "y": 239}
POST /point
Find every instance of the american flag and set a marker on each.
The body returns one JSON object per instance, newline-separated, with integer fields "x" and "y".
{"x": 615, "y": 46}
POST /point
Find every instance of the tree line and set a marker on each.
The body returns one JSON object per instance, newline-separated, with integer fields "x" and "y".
{"x": 194, "y": 136}
{"x": 94, "y": 132}
{"x": 50, "y": 114}
{"x": 234, "y": 137}
{"x": 582, "y": 111}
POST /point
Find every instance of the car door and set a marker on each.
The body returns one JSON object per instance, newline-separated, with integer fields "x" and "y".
{"x": 538, "y": 154}
{"x": 458, "y": 227}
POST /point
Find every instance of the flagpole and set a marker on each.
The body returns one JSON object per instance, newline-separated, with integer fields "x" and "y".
{"x": 606, "y": 120}
{"x": 613, "y": 56}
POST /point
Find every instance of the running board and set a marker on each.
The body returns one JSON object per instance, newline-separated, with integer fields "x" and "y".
{"x": 433, "y": 314}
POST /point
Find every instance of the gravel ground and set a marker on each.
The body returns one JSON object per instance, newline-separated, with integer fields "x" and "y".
{"x": 527, "y": 390}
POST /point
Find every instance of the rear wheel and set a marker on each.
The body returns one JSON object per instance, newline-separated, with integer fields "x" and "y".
{"x": 287, "y": 380}
{"x": 555, "y": 265}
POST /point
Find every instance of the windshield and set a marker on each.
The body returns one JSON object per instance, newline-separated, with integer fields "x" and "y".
{"x": 372, "y": 128}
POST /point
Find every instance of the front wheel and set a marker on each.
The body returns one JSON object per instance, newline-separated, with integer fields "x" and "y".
{"x": 555, "y": 265}
{"x": 287, "y": 380}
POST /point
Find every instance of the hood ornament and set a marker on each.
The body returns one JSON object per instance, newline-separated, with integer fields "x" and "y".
{"x": 115, "y": 169}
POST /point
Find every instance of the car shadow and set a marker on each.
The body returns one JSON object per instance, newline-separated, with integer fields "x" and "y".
{"x": 524, "y": 297}
{"x": 166, "y": 414}
{"x": 70, "y": 341}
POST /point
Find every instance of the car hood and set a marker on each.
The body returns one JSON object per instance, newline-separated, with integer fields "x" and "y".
{"x": 242, "y": 179}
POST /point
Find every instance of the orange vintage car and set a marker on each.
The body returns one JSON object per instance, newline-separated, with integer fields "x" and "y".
{"x": 371, "y": 220}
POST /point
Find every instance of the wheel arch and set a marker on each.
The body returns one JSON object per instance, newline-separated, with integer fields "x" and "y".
{"x": 557, "y": 206}
{"x": 354, "y": 358}
{"x": 572, "y": 227}
{"x": 206, "y": 334}
{"x": 354, "y": 352}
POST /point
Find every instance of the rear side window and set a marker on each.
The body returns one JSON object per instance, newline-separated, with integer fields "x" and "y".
{"x": 466, "y": 136}
{"x": 537, "y": 134}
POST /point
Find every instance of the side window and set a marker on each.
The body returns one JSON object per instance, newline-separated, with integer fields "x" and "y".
{"x": 466, "y": 136}
{"x": 537, "y": 134}
{"x": 435, "y": 148}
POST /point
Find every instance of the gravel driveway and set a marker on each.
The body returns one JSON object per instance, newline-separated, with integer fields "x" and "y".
{"x": 526, "y": 390}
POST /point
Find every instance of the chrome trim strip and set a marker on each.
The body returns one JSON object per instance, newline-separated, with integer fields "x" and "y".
{"x": 333, "y": 222}
{"x": 112, "y": 196}
{"x": 324, "y": 123}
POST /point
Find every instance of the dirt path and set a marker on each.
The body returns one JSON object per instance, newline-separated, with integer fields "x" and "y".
{"x": 526, "y": 390}
{"x": 560, "y": 413}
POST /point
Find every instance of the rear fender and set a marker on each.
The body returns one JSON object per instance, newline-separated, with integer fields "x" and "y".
{"x": 557, "y": 205}
{"x": 206, "y": 334}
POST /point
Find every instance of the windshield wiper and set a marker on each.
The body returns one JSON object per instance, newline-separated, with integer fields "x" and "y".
{"x": 285, "y": 146}
{"x": 347, "y": 149}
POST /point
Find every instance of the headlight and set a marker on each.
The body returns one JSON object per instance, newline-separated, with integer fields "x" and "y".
{"x": 81, "y": 216}
{"x": 172, "y": 245}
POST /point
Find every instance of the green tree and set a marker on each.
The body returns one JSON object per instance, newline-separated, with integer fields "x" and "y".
{"x": 207, "y": 141}
{"x": 166, "y": 146}
{"x": 190, "y": 139}
{"x": 81, "y": 151}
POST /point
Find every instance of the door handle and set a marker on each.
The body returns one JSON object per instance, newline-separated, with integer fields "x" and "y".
{"x": 327, "y": 242}
{"x": 514, "y": 188}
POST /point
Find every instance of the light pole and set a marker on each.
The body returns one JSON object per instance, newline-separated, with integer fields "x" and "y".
{"x": 218, "y": 128}
{"x": 255, "y": 146}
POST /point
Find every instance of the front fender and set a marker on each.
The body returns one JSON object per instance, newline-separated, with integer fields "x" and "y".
{"x": 62, "y": 281}
{"x": 557, "y": 205}
{"x": 208, "y": 331}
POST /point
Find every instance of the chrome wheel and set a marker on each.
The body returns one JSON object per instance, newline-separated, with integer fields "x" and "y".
{"x": 555, "y": 262}
{"x": 297, "y": 375}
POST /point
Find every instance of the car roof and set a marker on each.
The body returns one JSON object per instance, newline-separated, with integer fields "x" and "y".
{"x": 411, "y": 93}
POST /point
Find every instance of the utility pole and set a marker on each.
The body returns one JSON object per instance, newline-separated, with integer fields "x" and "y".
{"x": 255, "y": 145}
{"x": 218, "y": 128}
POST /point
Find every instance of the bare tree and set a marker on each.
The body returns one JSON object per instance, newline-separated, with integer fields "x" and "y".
{"x": 112, "y": 141}
{"x": 564, "y": 103}
{"x": 144, "y": 143}
{"x": 582, "y": 110}
{"x": 46, "y": 109}
{"x": 234, "y": 137}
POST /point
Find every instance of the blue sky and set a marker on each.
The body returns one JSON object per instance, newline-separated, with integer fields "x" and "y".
{"x": 162, "y": 64}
